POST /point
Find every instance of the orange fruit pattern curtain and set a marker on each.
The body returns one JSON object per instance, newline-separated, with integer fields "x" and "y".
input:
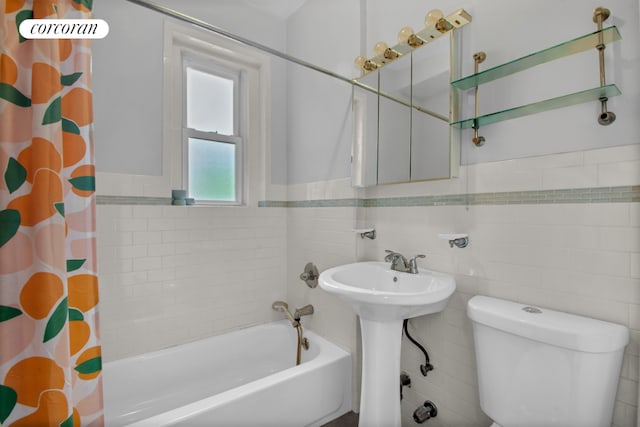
{"x": 50, "y": 358}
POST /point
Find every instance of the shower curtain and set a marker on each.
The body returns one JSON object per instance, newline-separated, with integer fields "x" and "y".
{"x": 50, "y": 356}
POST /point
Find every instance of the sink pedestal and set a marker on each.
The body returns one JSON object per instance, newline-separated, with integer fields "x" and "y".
{"x": 383, "y": 298}
{"x": 380, "y": 394}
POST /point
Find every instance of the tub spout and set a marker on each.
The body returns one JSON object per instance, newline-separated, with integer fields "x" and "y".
{"x": 303, "y": 311}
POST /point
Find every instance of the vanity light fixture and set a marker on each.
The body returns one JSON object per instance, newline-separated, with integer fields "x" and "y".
{"x": 436, "y": 24}
{"x": 365, "y": 64}
{"x": 380, "y": 48}
{"x": 414, "y": 41}
{"x": 404, "y": 34}
{"x": 432, "y": 17}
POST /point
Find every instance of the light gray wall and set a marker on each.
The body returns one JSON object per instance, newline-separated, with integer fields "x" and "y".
{"x": 127, "y": 80}
{"x": 127, "y": 90}
{"x": 267, "y": 29}
{"x": 312, "y": 120}
{"x": 505, "y": 30}
{"x": 325, "y": 33}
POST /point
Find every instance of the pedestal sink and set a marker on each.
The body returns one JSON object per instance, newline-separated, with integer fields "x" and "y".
{"x": 383, "y": 298}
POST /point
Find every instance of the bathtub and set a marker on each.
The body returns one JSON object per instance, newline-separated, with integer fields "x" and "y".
{"x": 246, "y": 377}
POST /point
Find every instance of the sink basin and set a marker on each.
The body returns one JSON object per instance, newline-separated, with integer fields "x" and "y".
{"x": 383, "y": 298}
{"x": 376, "y": 292}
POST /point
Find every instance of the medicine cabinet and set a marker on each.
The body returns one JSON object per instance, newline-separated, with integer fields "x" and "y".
{"x": 402, "y": 113}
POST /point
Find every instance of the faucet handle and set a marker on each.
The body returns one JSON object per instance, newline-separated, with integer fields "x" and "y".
{"x": 413, "y": 265}
{"x": 389, "y": 255}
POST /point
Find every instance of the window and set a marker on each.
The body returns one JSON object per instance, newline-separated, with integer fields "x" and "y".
{"x": 212, "y": 86}
{"x": 211, "y": 129}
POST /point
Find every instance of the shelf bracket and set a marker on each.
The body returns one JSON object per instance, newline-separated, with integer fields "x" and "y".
{"x": 478, "y": 58}
{"x": 600, "y": 15}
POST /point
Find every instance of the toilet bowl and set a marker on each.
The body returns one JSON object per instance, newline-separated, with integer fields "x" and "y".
{"x": 540, "y": 367}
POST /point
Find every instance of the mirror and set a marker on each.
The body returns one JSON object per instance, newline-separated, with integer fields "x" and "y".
{"x": 414, "y": 141}
{"x": 364, "y": 155}
{"x": 430, "y": 89}
{"x": 394, "y": 123}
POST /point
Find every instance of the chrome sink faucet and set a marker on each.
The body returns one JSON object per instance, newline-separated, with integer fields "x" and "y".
{"x": 400, "y": 263}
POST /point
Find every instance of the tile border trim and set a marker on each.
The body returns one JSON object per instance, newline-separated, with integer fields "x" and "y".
{"x": 132, "y": 200}
{"x": 618, "y": 194}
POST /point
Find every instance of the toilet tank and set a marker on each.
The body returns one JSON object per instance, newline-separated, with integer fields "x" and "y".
{"x": 539, "y": 367}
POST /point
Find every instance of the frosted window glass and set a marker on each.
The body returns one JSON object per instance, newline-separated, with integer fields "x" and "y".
{"x": 212, "y": 170}
{"x": 209, "y": 102}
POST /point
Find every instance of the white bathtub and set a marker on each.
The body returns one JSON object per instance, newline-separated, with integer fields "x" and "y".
{"x": 244, "y": 378}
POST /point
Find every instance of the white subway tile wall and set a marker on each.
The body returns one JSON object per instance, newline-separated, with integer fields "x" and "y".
{"x": 323, "y": 236}
{"x": 557, "y": 257}
{"x": 582, "y": 258}
{"x": 174, "y": 274}
{"x": 170, "y": 275}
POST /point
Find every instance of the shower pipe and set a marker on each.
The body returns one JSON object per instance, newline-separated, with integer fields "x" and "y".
{"x": 217, "y": 30}
{"x": 295, "y": 322}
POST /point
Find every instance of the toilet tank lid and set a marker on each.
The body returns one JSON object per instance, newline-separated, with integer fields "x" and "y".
{"x": 552, "y": 327}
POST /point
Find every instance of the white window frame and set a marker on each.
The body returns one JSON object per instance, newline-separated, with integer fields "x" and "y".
{"x": 180, "y": 38}
{"x": 208, "y": 65}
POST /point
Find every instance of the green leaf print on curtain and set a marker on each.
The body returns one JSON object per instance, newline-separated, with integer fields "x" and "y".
{"x": 9, "y": 225}
{"x": 15, "y": 175}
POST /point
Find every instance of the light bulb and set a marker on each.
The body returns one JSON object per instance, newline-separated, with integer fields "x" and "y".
{"x": 432, "y": 17}
{"x": 379, "y": 48}
{"x": 360, "y": 60}
{"x": 404, "y": 34}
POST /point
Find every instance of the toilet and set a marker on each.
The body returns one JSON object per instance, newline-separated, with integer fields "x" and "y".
{"x": 544, "y": 368}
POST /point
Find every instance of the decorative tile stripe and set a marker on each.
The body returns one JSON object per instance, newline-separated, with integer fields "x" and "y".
{"x": 132, "y": 200}
{"x": 621, "y": 194}
{"x": 321, "y": 203}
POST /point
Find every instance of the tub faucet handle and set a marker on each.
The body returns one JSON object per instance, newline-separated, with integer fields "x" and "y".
{"x": 310, "y": 275}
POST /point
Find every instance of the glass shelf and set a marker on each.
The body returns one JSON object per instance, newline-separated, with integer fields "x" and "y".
{"x": 580, "y": 44}
{"x": 594, "y": 94}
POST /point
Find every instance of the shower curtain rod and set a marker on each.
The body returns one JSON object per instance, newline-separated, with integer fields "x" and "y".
{"x": 209, "y": 27}
{"x": 197, "y": 22}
